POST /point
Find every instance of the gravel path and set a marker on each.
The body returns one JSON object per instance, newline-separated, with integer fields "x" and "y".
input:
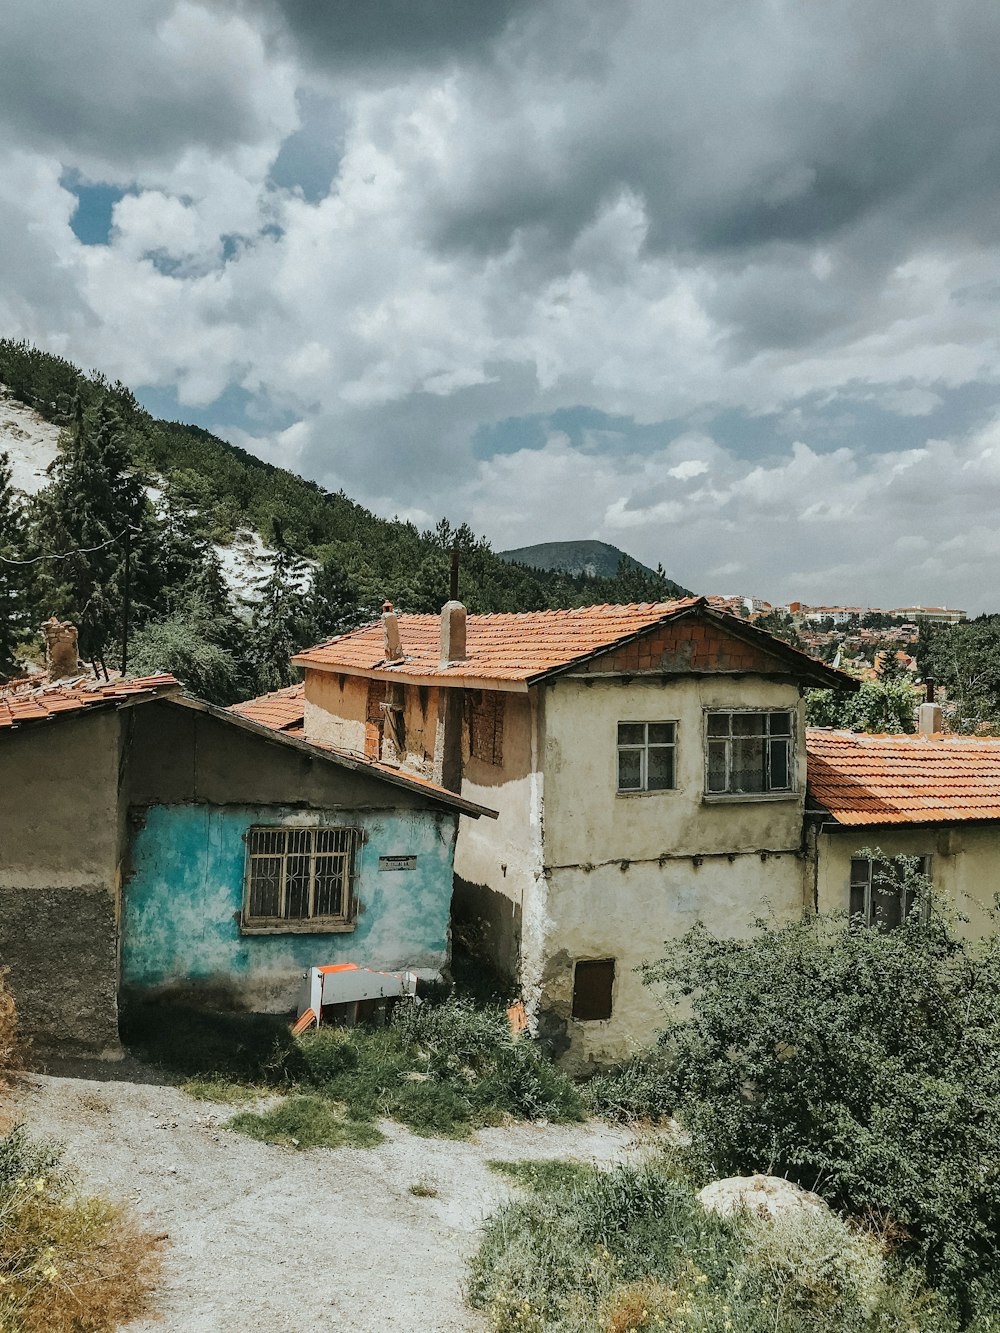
{"x": 266, "y": 1238}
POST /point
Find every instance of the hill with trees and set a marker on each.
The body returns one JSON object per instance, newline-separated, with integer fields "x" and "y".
{"x": 593, "y": 559}
{"x": 171, "y": 496}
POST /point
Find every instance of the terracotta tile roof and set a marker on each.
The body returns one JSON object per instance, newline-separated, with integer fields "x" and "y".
{"x": 505, "y": 646}
{"x": 25, "y": 701}
{"x": 282, "y": 709}
{"x": 868, "y": 779}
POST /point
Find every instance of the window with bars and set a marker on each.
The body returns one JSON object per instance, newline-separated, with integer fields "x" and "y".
{"x": 878, "y": 897}
{"x": 300, "y": 878}
{"x": 749, "y": 753}
{"x": 646, "y": 756}
{"x": 486, "y": 709}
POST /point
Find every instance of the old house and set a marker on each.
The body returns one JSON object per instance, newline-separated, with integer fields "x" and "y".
{"x": 154, "y": 844}
{"x": 931, "y": 796}
{"x": 648, "y": 764}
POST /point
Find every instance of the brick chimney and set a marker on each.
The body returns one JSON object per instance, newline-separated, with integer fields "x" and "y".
{"x": 62, "y": 657}
{"x": 929, "y": 716}
{"x": 390, "y": 631}
{"x": 452, "y": 632}
{"x": 451, "y": 700}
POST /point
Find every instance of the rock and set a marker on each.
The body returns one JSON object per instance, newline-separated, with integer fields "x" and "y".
{"x": 762, "y": 1196}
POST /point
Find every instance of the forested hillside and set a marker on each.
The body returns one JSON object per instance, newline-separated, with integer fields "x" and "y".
{"x": 178, "y": 491}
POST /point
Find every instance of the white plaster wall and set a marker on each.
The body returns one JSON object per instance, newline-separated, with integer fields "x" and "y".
{"x": 586, "y": 821}
{"x": 965, "y": 865}
{"x": 336, "y": 709}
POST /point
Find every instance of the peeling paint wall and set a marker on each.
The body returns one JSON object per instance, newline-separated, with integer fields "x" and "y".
{"x": 184, "y": 896}
{"x": 964, "y": 866}
{"x": 59, "y": 872}
{"x": 336, "y": 709}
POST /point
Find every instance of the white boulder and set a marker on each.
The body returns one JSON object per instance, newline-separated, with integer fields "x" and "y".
{"x": 762, "y": 1196}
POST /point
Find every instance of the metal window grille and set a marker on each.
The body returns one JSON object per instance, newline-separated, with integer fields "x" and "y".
{"x": 875, "y": 899}
{"x": 646, "y": 756}
{"x": 749, "y": 753}
{"x": 486, "y": 727}
{"x": 299, "y": 874}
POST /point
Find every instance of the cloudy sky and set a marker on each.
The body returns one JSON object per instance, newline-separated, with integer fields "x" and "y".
{"x": 717, "y": 282}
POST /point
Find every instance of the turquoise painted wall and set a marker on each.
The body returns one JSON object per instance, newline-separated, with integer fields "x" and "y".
{"x": 183, "y": 897}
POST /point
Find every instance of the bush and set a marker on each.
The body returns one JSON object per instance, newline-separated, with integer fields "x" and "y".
{"x": 863, "y": 1064}
{"x": 67, "y": 1264}
{"x": 632, "y": 1249}
{"x": 638, "y": 1090}
{"x": 305, "y": 1122}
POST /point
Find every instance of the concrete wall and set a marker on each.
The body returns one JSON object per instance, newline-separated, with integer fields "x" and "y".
{"x": 625, "y": 873}
{"x": 336, "y": 707}
{"x": 60, "y": 855}
{"x": 184, "y": 897}
{"x": 965, "y": 865}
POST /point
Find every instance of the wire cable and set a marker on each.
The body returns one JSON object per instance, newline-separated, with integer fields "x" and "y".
{"x": 68, "y": 555}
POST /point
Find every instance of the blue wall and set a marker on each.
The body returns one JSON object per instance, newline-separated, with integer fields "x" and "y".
{"x": 183, "y": 897}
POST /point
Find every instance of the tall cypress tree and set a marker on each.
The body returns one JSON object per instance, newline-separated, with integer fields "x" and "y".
{"x": 14, "y": 579}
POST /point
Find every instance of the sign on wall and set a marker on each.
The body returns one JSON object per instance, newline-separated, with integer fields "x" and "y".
{"x": 397, "y": 863}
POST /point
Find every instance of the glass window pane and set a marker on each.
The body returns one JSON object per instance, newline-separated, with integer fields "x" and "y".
{"x": 661, "y": 733}
{"x": 330, "y": 877}
{"x": 780, "y": 724}
{"x": 885, "y": 909}
{"x": 629, "y": 770}
{"x": 718, "y": 724}
{"x": 297, "y": 888}
{"x": 660, "y": 768}
{"x": 857, "y": 900}
{"x": 748, "y": 764}
{"x": 749, "y": 724}
{"x": 779, "y": 765}
{"x": 631, "y": 733}
{"x": 265, "y": 882}
{"x": 717, "y": 765}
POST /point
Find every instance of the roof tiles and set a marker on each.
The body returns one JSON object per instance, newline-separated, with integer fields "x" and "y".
{"x": 868, "y": 779}
{"x": 283, "y": 710}
{"x": 24, "y": 701}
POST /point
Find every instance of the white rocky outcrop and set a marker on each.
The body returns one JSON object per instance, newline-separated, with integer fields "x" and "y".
{"x": 762, "y": 1196}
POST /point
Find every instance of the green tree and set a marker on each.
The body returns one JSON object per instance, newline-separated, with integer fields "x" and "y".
{"x": 15, "y": 579}
{"x": 179, "y": 644}
{"x": 965, "y": 658}
{"x": 333, "y": 605}
{"x": 878, "y": 706}
{"x": 280, "y": 624}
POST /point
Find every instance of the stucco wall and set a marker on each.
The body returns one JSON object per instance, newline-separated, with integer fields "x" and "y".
{"x": 336, "y": 707}
{"x": 184, "y": 895}
{"x": 965, "y": 866}
{"x": 59, "y": 864}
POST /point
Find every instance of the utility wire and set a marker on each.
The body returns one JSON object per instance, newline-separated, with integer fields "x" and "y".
{"x": 81, "y": 550}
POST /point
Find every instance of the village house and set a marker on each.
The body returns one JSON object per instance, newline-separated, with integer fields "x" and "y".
{"x": 648, "y": 763}
{"x": 154, "y": 845}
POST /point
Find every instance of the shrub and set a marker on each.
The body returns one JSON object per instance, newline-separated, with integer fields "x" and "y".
{"x": 864, "y": 1064}
{"x": 306, "y": 1122}
{"x": 632, "y": 1249}
{"x": 638, "y": 1090}
{"x": 68, "y": 1264}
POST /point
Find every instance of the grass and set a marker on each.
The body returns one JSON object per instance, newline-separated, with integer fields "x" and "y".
{"x": 631, "y": 1250}
{"x": 543, "y": 1176}
{"x": 423, "y": 1189}
{"x": 442, "y": 1069}
{"x": 306, "y": 1122}
{"x": 68, "y": 1263}
{"x": 634, "y": 1092}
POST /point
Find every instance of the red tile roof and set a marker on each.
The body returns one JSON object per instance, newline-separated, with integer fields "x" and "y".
{"x": 24, "y": 701}
{"x": 283, "y": 709}
{"x": 868, "y": 779}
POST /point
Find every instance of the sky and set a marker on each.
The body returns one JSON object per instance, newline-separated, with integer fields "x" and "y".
{"x": 718, "y": 283}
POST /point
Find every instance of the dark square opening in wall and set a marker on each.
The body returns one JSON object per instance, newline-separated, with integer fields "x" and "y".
{"x": 592, "y": 984}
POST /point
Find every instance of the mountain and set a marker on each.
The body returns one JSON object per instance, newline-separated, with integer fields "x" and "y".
{"x": 591, "y": 559}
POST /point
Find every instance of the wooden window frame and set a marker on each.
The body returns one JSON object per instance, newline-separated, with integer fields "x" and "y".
{"x": 642, "y": 748}
{"x": 862, "y": 880}
{"x": 769, "y": 791}
{"x": 273, "y": 843}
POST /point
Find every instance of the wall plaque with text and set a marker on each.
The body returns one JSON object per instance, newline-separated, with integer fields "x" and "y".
{"x": 397, "y": 863}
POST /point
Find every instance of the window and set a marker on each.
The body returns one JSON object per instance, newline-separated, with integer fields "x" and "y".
{"x": 486, "y": 726}
{"x": 592, "y": 985}
{"x": 877, "y": 898}
{"x": 646, "y": 756}
{"x": 749, "y": 753}
{"x": 299, "y": 878}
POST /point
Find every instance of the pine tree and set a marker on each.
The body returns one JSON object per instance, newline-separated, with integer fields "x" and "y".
{"x": 280, "y": 623}
{"x": 14, "y": 579}
{"x": 333, "y": 604}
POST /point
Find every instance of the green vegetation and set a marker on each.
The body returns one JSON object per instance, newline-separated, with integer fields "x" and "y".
{"x": 593, "y": 558}
{"x": 632, "y": 1249}
{"x": 543, "y": 1174}
{"x": 965, "y": 658}
{"x": 307, "y": 1122}
{"x": 878, "y": 706}
{"x": 639, "y": 1090}
{"x": 182, "y": 617}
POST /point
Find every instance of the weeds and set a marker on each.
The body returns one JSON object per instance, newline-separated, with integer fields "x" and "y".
{"x": 423, "y": 1189}
{"x": 224, "y": 1090}
{"x": 639, "y": 1090}
{"x": 543, "y": 1176}
{"x": 68, "y": 1264}
{"x": 306, "y": 1122}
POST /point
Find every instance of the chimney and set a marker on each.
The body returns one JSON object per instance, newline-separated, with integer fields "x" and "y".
{"x": 62, "y": 658}
{"x": 452, "y": 632}
{"x": 929, "y": 719}
{"x": 390, "y": 631}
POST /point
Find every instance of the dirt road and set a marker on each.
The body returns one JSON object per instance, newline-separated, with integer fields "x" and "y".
{"x": 266, "y": 1238}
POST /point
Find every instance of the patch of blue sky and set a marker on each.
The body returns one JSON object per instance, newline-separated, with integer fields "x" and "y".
{"x": 236, "y": 406}
{"x": 310, "y": 158}
{"x": 92, "y": 218}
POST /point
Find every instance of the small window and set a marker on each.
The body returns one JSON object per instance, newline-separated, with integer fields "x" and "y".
{"x": 486, "y": 727}
{"x": 299, "y": 878}
{"x": 877, "y": 899}
{"x": 749, "y": 753}
{"x": 593, "y": 982}
{"x": 646, "y": 756}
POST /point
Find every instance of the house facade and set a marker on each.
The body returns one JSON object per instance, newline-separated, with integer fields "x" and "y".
{"x": 648, "y": 766}
{"x": 156, "y": 846}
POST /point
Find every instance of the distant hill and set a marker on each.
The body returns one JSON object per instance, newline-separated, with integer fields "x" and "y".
{"x": 591, "y": 559}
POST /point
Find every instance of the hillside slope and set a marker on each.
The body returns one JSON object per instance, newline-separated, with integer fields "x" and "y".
{"x": 592, "y": 559}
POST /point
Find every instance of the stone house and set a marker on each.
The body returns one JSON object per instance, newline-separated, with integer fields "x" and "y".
{"x": 648, "y": 765}
{"x": 154, "y": 844}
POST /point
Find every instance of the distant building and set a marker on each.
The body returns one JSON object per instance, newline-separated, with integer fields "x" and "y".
{"x": 936, "y": 615}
